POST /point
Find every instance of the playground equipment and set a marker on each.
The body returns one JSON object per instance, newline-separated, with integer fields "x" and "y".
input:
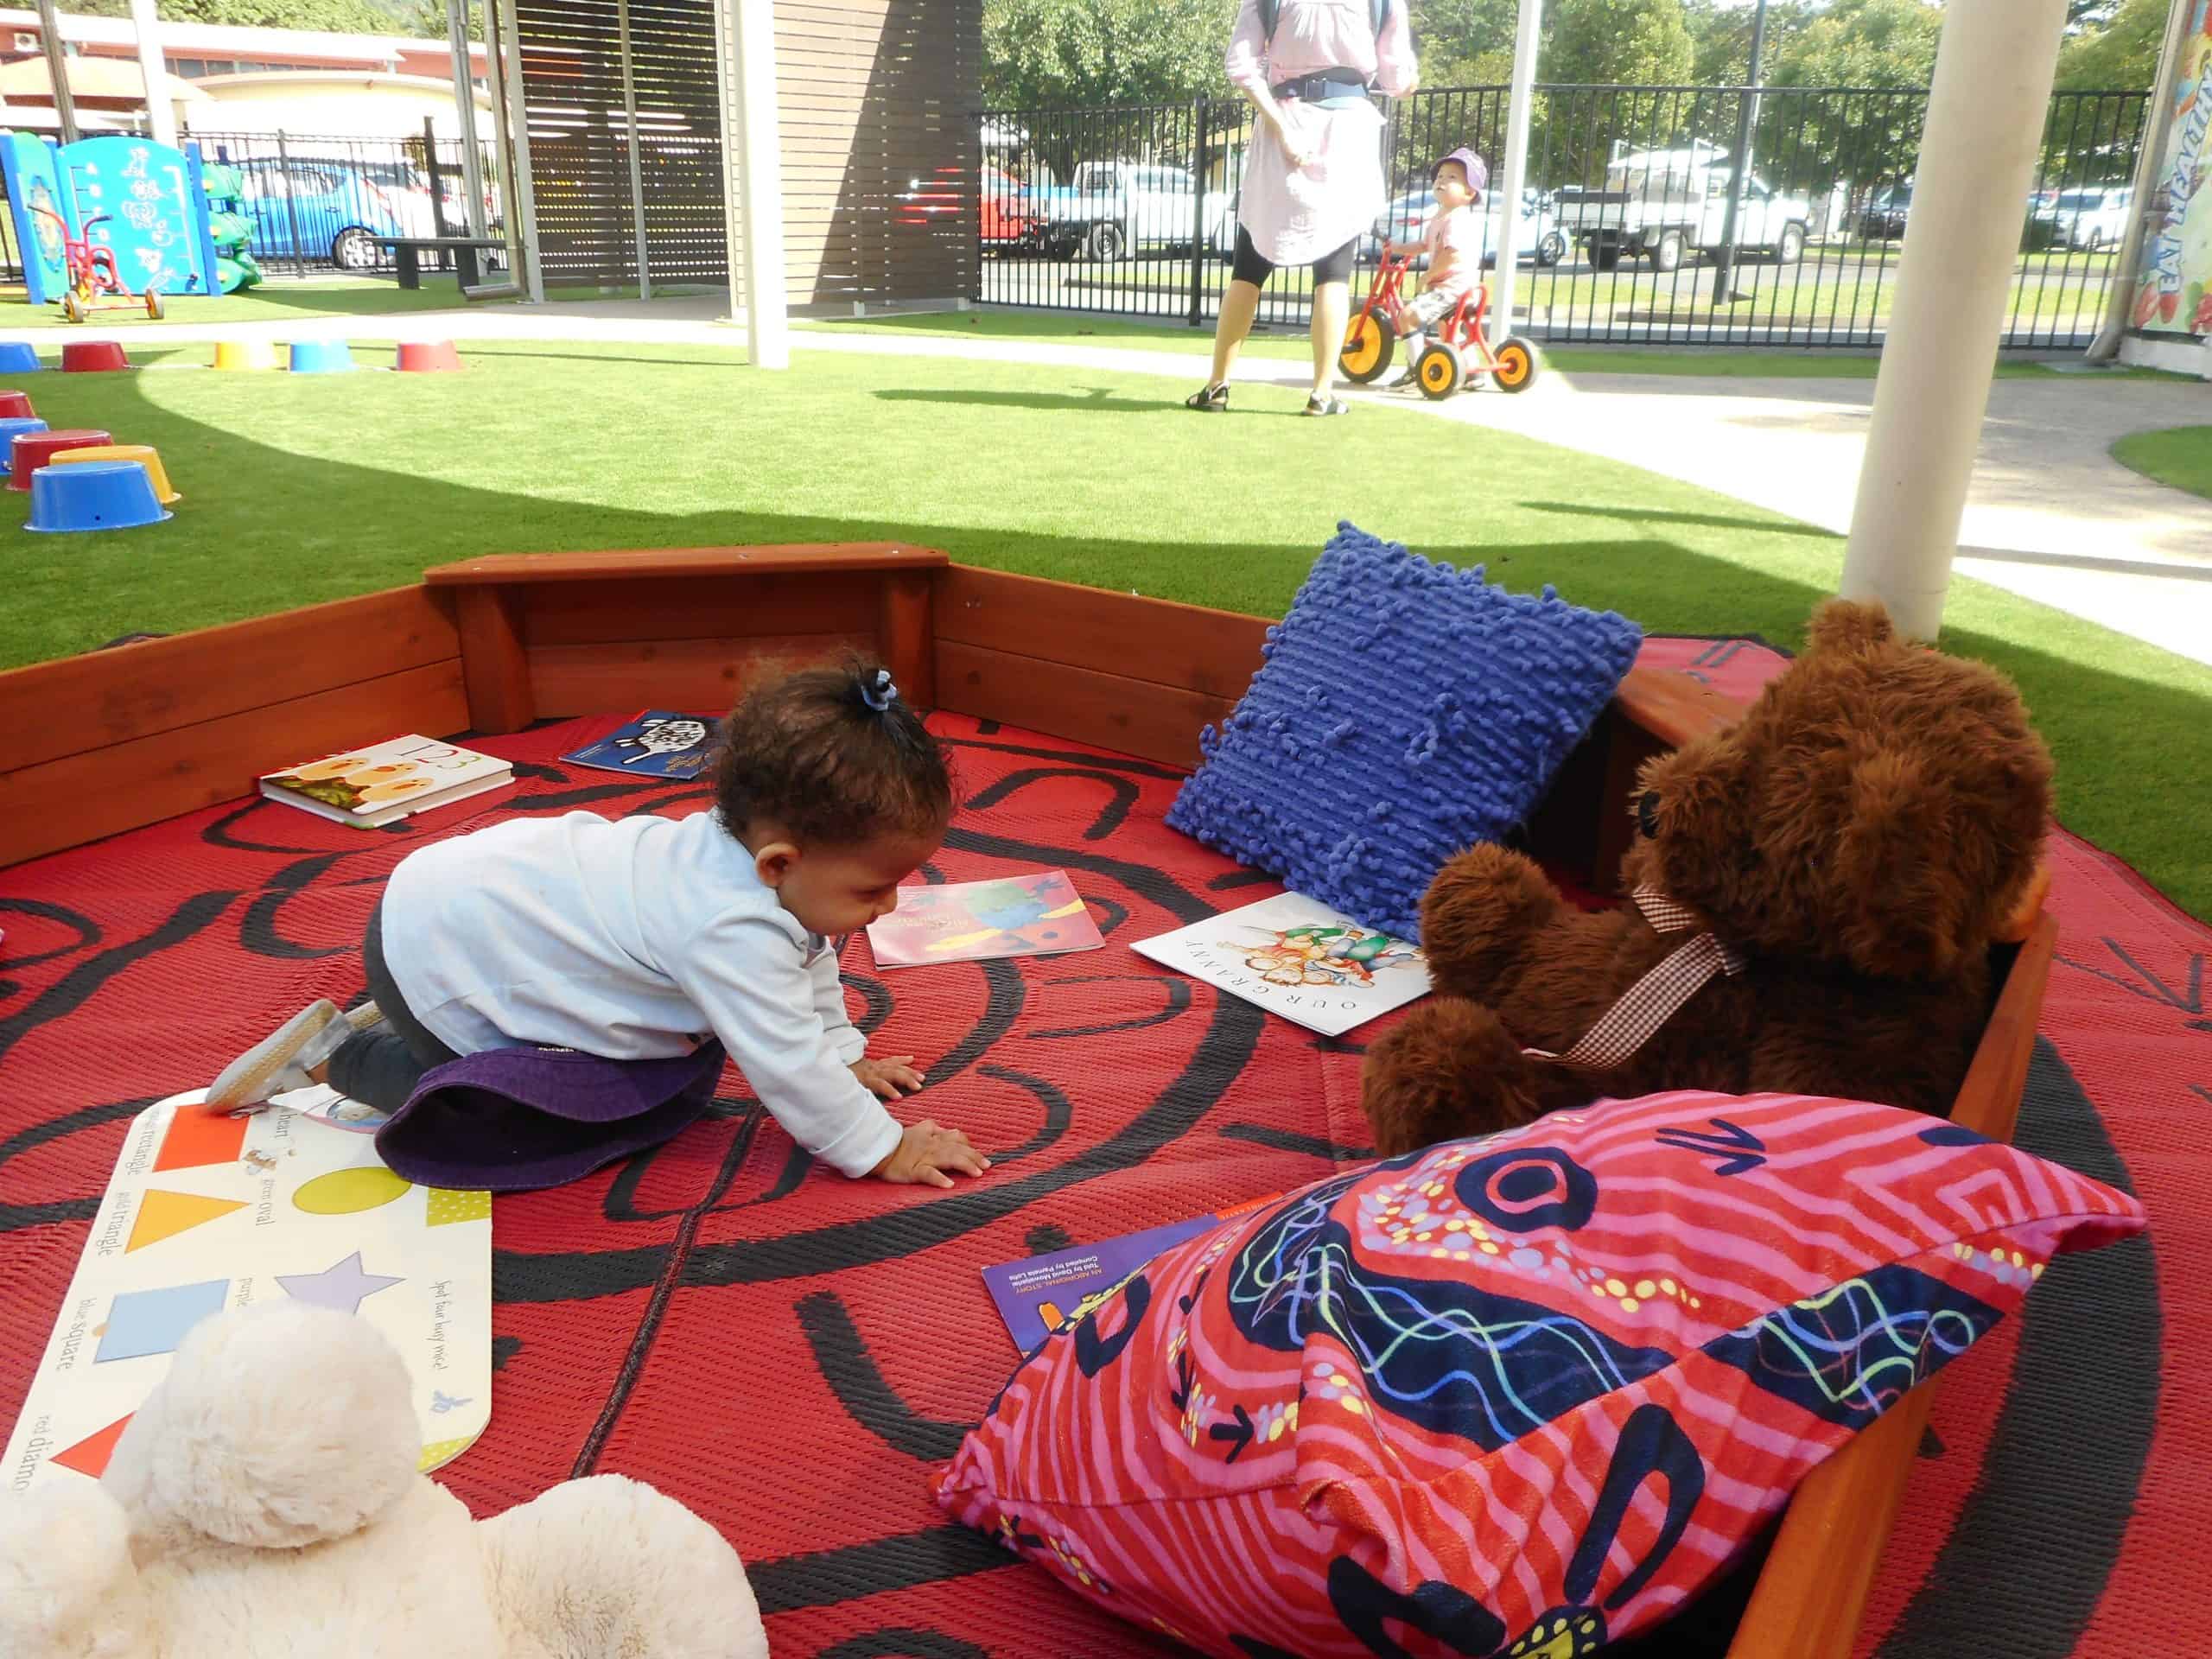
{"x": 18, "y": 357}
{"x": 1458, "y": 351}
{"x": 429, "y": 356}
{"x": 17, "y": 406}
{"x": 144, "y": 454}
{"x": 10, "y": 429}
{"x": 94, "y": 357}
{"x": 96, "y": 495}
{"x": 230, "y": 229}
{"x": 135, "y": 206}
{"x": 321, "y": 357}
{"x": 91, "y": 273}
{"x": 31, "y": 451}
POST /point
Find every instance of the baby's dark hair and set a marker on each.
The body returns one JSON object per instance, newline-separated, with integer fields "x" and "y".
{"x": 833, "y": 755}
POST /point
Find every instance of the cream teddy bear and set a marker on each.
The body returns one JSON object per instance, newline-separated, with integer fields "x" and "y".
{"x": 265, "y": 1501}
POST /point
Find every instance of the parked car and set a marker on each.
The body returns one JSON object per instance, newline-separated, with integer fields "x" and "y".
{"x": 312, "y": 207}
{"x": 1665, "y": 204}
{"x": 1407, "y": 218}
{"x": 1108, "y": 209}
{"x": 2092, "y": 219}
{"x": 1005, "y": 219}
{"x": 1881, "y": 219}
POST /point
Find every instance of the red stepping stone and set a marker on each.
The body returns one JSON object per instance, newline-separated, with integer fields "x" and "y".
{"x": 17, "y": 406}
{"x": 94, "y": 357}
{"x": 428, "y": 357}
{"x": 33, "y": 450}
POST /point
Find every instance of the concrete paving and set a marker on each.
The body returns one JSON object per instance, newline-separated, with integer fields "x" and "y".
{"x": 2051, "y": 515}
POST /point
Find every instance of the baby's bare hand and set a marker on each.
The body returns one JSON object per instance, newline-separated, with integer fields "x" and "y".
{"x": 889, "y": 1078}
{"x": 925, "y": 1151}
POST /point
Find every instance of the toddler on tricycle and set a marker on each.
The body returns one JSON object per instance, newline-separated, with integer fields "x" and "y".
{"x": 1452, "y": 300}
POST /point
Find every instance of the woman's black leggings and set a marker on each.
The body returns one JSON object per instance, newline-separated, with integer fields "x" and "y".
{"x": 1248, "y": 267}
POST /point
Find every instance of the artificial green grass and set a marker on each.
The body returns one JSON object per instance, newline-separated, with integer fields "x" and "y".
{"x": 2180, "y": 455}
{"x": 275, "y": 301}
{"x": 301, "y": 488}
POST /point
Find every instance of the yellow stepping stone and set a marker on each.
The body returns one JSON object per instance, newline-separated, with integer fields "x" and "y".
{"x": 144, "y": 454}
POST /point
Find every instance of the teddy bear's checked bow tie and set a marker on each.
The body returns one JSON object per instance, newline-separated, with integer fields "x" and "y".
{"x": 1651, "y": 1001}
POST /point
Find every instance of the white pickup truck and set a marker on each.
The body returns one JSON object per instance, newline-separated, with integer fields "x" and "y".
{"x": 1663, "y": 204}
{"x": 1113, "y": 208}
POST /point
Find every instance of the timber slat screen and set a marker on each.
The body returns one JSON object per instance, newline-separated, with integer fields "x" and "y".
{"x": 878, "y": 144}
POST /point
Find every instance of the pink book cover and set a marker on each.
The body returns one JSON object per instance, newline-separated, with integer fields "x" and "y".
{"x": 1035, "y": 915}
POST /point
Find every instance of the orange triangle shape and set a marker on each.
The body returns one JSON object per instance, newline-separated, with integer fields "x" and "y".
{"x": 164, "y": 1215}
{"x": 90, "y": 1455}
{"x": 197, "y": 1137}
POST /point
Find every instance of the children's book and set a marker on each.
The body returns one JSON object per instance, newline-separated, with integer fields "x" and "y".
{"x": 1036, "y": 1297}
{"x": 656, "y": 744}
{"x": 381, "y": 783}
{"x": 207, "y": 1211}
{"x": 1295, "y": 957}
{"x": 1036, "y": 915}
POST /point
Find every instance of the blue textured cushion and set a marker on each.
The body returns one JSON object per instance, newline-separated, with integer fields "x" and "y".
{"x": 1405, "y": 710}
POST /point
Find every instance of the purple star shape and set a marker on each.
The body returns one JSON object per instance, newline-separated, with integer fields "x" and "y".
{"x": 344, "y": 1285}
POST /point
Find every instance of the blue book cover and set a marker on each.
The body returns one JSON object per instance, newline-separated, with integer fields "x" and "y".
{"x": 1039, "y": 1296}
{"x": 657, "y": 744}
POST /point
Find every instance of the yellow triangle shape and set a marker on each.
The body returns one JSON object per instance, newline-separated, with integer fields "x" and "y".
{"x": 164, "y": 1215}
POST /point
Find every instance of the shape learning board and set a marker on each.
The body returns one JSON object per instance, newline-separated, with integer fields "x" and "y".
{"x": 205, "y": 1213}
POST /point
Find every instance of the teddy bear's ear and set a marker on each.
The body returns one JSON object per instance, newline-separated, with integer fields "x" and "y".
{"x": 278, "y": 1425}
{"x": 1902, "y": 907}
{"x": 1848, "y": 625}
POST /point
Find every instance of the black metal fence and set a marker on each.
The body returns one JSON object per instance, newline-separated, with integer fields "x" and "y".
{"x": 317, "y": 202}
{"x": 1631, "y": 219}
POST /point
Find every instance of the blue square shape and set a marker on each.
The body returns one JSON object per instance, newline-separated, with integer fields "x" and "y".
{"x": 1405, "y": 711}
{"x": 142, "y": 1322}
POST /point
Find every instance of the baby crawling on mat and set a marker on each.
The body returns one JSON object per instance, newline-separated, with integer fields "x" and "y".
{"x": 638, "y": 939}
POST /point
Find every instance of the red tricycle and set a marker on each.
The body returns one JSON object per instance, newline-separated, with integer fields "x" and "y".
{"x": 91, "y": 273}
{"x": 1458, "y": 352}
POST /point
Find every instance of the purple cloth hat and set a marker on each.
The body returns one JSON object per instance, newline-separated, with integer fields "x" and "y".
{"x": 511, "y": 1119}
{"x": 1477, "y": 174}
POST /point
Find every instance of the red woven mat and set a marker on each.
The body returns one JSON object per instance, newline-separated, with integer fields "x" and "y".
{"x": 788, "y": 1351}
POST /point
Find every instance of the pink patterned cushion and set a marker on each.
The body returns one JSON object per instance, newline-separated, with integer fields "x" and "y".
{"x": 1515, "y": 1395}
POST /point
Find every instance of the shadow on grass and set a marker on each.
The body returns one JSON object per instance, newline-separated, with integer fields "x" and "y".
{"x": 275, "y": 529}
{"x": 1703, "y": 520}
{"x": 1098, "y": 400}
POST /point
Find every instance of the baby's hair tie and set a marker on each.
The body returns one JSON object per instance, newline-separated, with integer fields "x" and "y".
{"x": 879, "y": 692}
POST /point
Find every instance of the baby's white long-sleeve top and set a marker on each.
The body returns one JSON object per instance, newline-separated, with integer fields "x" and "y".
{"x": 634, "y": 939}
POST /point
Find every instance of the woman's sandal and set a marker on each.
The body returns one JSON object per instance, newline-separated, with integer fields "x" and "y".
{"x": 1212, "y": 400}
{"x": 1327, "y": 406}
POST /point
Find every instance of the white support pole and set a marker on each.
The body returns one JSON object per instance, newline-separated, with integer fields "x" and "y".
{"x": 751, "y": 93}
{"x": 1985, "y": 113}
{"x": 160, "y": 112}
{"x": 630, "y": 142}
{"x": 57, "y": 71}
{"x": 519, "y": 149}
{"x": 464, "y": 104}
{"x": 1517, "y": 114}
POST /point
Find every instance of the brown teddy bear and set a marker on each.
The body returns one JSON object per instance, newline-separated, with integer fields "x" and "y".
{"x": 1822, "y": 881}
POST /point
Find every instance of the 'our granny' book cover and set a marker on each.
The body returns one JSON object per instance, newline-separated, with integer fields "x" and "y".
{"x": 1035, "y": 915}
{"x": 656, "y": 744}
{"x": 1295, "y": 957}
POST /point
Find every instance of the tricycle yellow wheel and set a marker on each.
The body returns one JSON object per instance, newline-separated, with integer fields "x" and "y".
{"x": 1368, "y": 345}
{"x": 1440, "y": 368}
{"x": 1516, "y": 364}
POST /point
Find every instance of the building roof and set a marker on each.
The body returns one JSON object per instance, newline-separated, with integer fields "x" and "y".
{"x": 119, "y": 79}
{"x": 230, "y": 40}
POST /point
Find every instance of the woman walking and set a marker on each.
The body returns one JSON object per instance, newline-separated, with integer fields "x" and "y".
{"x": 1313, "y": 172}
